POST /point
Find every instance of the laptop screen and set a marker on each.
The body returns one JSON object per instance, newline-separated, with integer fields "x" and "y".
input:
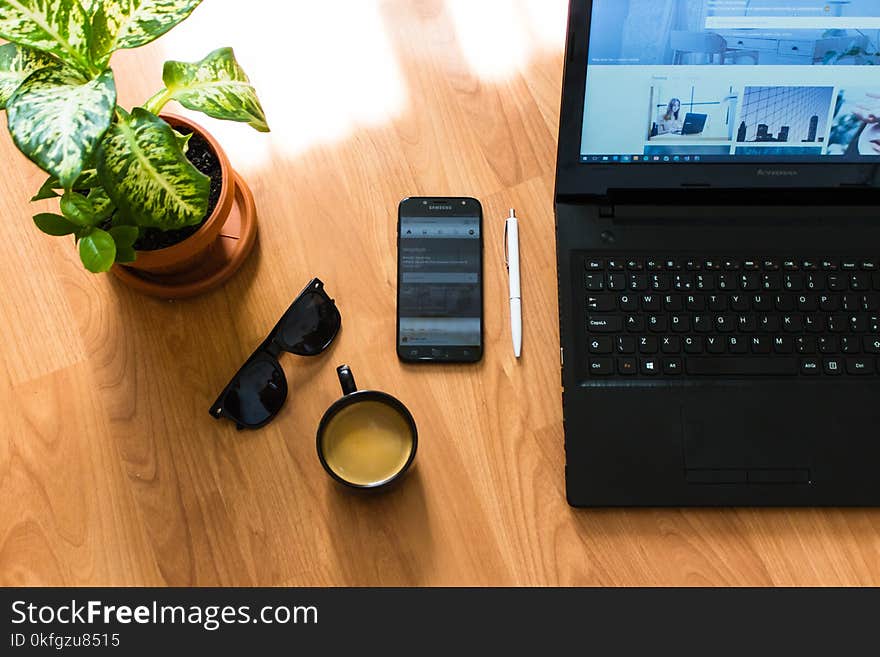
{"x": 732, "y": 81}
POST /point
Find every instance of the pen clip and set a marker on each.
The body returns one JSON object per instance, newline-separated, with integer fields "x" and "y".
{"x": 506, "y": 254}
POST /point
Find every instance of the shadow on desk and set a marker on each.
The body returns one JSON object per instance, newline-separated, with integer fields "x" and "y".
{"x": 381, "y": 537}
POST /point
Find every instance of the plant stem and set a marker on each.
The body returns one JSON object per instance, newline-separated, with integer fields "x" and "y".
{"x": 157, "y": 102}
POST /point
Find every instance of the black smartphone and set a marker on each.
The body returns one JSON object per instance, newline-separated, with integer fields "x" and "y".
{"x": 440, "y": 280}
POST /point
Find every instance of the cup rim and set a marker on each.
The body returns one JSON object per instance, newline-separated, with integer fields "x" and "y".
{"x": 357, "y": 397}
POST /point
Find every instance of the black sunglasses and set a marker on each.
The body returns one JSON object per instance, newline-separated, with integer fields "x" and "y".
{"x": 258, "y": 391}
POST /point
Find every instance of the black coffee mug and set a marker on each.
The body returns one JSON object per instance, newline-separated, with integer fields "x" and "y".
{"x": 367, "y": 439}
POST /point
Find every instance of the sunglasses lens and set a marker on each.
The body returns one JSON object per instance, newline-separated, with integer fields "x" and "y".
{"x": 257, "y": 393}
{"x": 310, "y": 326}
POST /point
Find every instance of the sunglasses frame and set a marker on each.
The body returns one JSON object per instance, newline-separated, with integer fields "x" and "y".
{"x": 271, "y": 349}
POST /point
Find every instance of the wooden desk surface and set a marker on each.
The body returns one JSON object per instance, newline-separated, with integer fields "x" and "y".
{"x": 111, "y": 470}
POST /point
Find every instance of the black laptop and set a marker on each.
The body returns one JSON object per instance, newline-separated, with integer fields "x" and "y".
{"x": 720, "y": 301}
{"x": 694, "y": 124}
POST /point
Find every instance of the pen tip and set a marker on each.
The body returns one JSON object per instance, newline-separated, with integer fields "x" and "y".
{"x": 512, "y": 213}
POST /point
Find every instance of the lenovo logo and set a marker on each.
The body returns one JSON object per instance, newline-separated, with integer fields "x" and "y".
{"x": 779, "y": 173}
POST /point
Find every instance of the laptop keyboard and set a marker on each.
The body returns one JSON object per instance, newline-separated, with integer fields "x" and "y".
{"x": 651, "y": 317}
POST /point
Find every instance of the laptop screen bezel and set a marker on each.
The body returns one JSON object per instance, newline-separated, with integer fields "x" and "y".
{"x": 575, "y": 178}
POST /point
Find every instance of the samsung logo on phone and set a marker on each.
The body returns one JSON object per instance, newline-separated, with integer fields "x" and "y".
{"x": 779, "y": 173}
{"x": 439, "y": 207}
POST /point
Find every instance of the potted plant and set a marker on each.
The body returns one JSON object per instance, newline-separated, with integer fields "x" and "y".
{"x": 143, "y": 194}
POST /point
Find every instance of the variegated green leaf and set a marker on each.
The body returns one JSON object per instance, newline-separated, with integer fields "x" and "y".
{"x": 57, "y": 119}
{"x": 16, "y": 63}
{"x": 91, "y": 6}
{"x": 102, "y": 206}
{"x": 217, "y": 86}
{"x": 131, "y": 23}
{"x": 145, "y": 173}
{"x": 58, "y": 27}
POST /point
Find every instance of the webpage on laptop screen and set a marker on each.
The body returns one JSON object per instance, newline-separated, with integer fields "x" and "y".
{"x": 732, "y": 80}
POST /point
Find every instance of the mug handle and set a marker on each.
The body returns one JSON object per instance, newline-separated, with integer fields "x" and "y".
{"x": 346, "y": 379}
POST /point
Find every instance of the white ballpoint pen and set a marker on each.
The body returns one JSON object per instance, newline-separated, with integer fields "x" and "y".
{"x": 511, "y": 259}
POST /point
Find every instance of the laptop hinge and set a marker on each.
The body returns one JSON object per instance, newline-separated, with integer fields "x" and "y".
{"x": 606, "y": 211}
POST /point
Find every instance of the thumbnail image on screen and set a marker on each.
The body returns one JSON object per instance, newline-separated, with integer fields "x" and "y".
{"x": 721, "y": 80}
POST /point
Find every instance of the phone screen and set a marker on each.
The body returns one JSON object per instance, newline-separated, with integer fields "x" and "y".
{"x": 440, "y": 289}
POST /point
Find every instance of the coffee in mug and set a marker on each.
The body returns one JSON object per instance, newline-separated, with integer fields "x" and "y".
{"x": 367, "y": 439}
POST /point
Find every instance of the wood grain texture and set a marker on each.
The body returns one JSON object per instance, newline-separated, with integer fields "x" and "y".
{"x": 111, "y": 470}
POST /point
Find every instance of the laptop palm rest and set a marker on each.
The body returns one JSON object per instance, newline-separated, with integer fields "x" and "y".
{"x": 753, "y": 440}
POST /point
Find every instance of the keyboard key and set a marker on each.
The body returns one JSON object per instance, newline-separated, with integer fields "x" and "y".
{"x": 635, "y": 265}
{"x": 635, "y": 323}
{"x": 704, "y": 282}
{"x": 693, "y": 344}
{"x": 782, "y": 344}
{"x": 741, "y": 366}
{"x": 626, "y": 345}
{"x": 725, "y": 323}
{"x": 604, "y": 324}
{"x": 616, "y": 282}
{"x": 871, "y": 345}
{"x": 680, "y": 323}
{"x": 670, "y": 344}
{"x": 629, "y": 302}
{"x": 600, "y": 345}
{"x": 651, "y": 302}
{"x": 615, "y": 264}
{"x": 807, "y": 303}
{"x": 860, "y": 366}
{"x": 827, "y": 345}
{"x": 650, "y": 366}
{"x": 595, "y": 282}
{"x": 737, "y": 345}
{"x": 849, "y": 345}
{"x": 860, "y": 282}
{"x": 674, "y": 303}
{"x": 647, "y": 345}
{"x": 837, "y": 283}
{"x": 660, "y": 282}
{"x": 760, "y": 344}
{"x": 715, "y": 344}
{"x": 637, "y": 282}
{"x": 627, "y": 366}
{"x": 601, "y": 367}
{"x": 833, "y": 366}
{"x": 811, "y": 366}
{"x": 806, "y": 345}
{"x": 657, "y": 323}
{"x": 829, "y": 303}
{"x": 595, "y": 264}
{"x": 601, "y": 304}
{"x": 672, "y": 366}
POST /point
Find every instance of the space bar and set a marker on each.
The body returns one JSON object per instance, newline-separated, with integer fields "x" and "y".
{"x": 742, "y": 366}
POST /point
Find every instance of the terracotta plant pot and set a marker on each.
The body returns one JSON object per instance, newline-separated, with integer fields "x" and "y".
{"x": 207, "y": 258}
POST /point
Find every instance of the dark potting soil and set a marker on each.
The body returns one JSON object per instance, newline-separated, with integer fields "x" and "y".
{"x": 205, "y": 160}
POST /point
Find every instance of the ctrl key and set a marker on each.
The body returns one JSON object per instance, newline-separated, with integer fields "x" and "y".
{"x": 601, "y": 366}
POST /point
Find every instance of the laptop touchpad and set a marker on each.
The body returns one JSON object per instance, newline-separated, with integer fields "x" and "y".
{"x": 753, "y": 432}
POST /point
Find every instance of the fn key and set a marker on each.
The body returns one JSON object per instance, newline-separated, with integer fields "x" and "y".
{"x": 601, "y": 366}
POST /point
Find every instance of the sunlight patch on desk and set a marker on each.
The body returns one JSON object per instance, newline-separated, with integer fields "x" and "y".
{"x": 322, "y": 70}
{"x": 499, "y": 38}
